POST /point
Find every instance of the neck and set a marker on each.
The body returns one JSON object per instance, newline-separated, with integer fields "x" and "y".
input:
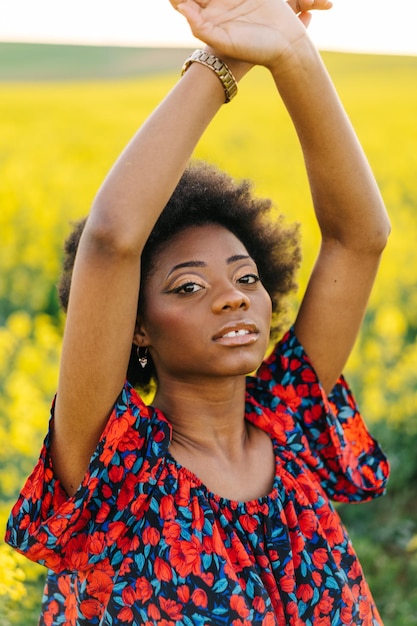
{"x": 205, "y": 416}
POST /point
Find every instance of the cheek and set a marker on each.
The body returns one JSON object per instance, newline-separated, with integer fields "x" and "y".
{"x": 267, "y": 305}
{"x": 165, "y": 325}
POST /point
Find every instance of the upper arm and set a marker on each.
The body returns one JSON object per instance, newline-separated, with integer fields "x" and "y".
{"x": 96, "y": 348}
{"x": 333, "y": 307}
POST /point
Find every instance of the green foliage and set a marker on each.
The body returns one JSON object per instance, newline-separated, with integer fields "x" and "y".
{"x": 57, "y": 141}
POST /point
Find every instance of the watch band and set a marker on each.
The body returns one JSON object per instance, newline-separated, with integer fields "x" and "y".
{"x": 220, "y": 68}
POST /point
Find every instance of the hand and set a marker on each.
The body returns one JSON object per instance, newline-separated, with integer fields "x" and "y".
{"x": 256, "y": 31}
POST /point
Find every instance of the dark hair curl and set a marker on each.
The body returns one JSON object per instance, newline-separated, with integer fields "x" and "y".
{"x": 205, "y": 195}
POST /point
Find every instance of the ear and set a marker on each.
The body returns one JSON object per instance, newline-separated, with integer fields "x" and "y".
{"x": 140, "y": 336}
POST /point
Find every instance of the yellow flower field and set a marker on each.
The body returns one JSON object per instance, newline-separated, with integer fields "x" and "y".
{"x": 57, "y": 141}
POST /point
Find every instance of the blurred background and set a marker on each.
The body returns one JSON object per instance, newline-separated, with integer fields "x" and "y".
{"x": 73, "y": 90}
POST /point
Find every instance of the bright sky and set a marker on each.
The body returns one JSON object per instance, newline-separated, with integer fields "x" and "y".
{"x": 364, "y": 25}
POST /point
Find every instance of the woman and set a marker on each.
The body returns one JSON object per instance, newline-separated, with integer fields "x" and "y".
{"x": 211, "y": 505}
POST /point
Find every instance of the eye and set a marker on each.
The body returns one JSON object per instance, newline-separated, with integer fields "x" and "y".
{"x": 249, "y": 279}
{"x": 188, "y": 287}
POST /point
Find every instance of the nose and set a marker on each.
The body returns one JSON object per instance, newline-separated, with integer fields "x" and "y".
{"x": 230, "y": 299}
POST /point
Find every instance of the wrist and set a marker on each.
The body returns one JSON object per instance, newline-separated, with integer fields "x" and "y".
{"x": 299, "y": 54}
{"x": 217, "y": 67}
{"x": 238, "y": 68}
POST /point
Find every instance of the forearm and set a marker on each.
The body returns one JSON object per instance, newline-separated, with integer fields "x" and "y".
{"x": 346, "y": 198}
{"x": 145, "y": 175}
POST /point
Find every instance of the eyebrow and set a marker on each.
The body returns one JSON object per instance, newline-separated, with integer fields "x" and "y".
{"x": 232, "y": 259}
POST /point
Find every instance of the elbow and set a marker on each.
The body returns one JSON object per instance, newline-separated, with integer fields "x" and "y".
{"x": 379, "y": 239}
{"x": 107, "y": 233}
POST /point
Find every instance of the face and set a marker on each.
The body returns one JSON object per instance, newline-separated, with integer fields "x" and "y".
{"x": 206, "y": 312}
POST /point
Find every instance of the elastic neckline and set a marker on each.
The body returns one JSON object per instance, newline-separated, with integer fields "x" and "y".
{"x": 221, "y": 501}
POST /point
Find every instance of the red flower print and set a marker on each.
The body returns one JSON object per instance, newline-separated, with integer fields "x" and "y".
{"x": 185, "y": 557}
{"x": 355, "y": 571}
{"x": 330, "y": 522}
{"x": 259, "y": 604}
{"x": 103, "y": 513}
{"x": 76, "y": 555}
{"x": 337, "y": 555}
{"x": 326, "y": 603}
{"x": 302, "y": 391}
{"x": 320, "y": 557}
{"x": 269, "y": 620}
{"x": 129, "y": 596}
{"x": 248, "y": 523}
{"x": 107, "y": 456}
{"x": 38, "y": 552}
{"x": 58, "y": 525}
{"x": 238, "y": 555}
{"x": 144, "y": 589}
{"x": 322, "y": 621}
{"x": 153, "y": 612}
{"x": 346, "y": 615}
{"x": 208, "y": 578}
{"x": 129, "y": 461}
{"x": 293, "y": 364}
{"x": 91, "y": 608}
{"x": 50, "y": 613}
{"x": 125, "y": 566}
{"x": 71, "y": 611}
{"x": 96, "y": 543}
{"x": 137, "y": 505}
{"x": 182, "y": 496}
{"x": 167, "y": 508}
{"x": 297, "y": 542}
{"x": 115, "y": 430}
{"x": 151, "y": 535}
{"x": 116, "y": 473}
{"x": 287, "y": 584}
{"x": 197, "y": 520}
{"x": 34, "y": 487}
{"x": 171, "y": 608}
{"x": 183, "y": 593}
{"x": 100, "y": 581}
{"x": 171, "y": 532}
{"x": 199, "y": 597}
{"x": 289, "y": 397}
{"x": 126, "y": 615}
{"x": 238, "y": 604}
{"x": 365, "y": 609}
{"x": 308, "y": 376}
{"x": 127, "y": 492}
{"x": 116, "y": 529}
{"x": 308, "y": 523}
{"x": 305, "y": 592}
{"x": 162, "y": 569}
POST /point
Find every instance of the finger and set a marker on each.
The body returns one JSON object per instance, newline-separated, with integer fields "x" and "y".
{"x": 301, "y": 6}
{"x": 305, "y": 18}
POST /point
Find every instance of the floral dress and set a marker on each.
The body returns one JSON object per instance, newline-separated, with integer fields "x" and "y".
{"x": 143, "y": 541}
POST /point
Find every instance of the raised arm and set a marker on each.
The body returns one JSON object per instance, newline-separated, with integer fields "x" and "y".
{"x": 351, "y": 215}
{"x": 104, "y": 290}
{"x": 348, "y": 205}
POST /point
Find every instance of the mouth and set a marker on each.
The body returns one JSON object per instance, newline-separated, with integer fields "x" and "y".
{"x": 237, "y": 334}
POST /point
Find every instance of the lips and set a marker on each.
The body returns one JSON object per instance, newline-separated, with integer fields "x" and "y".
{"x": 237, "y": 334}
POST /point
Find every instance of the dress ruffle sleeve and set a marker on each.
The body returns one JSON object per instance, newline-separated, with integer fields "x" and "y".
{"x": 66, "y": 533}
{"x": 326, "y": 431}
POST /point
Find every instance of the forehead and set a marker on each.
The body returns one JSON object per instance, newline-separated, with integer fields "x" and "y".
{"x": 208, "y": 243}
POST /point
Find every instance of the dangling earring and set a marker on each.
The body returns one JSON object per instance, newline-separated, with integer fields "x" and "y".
{"x": 142, "y": 356}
